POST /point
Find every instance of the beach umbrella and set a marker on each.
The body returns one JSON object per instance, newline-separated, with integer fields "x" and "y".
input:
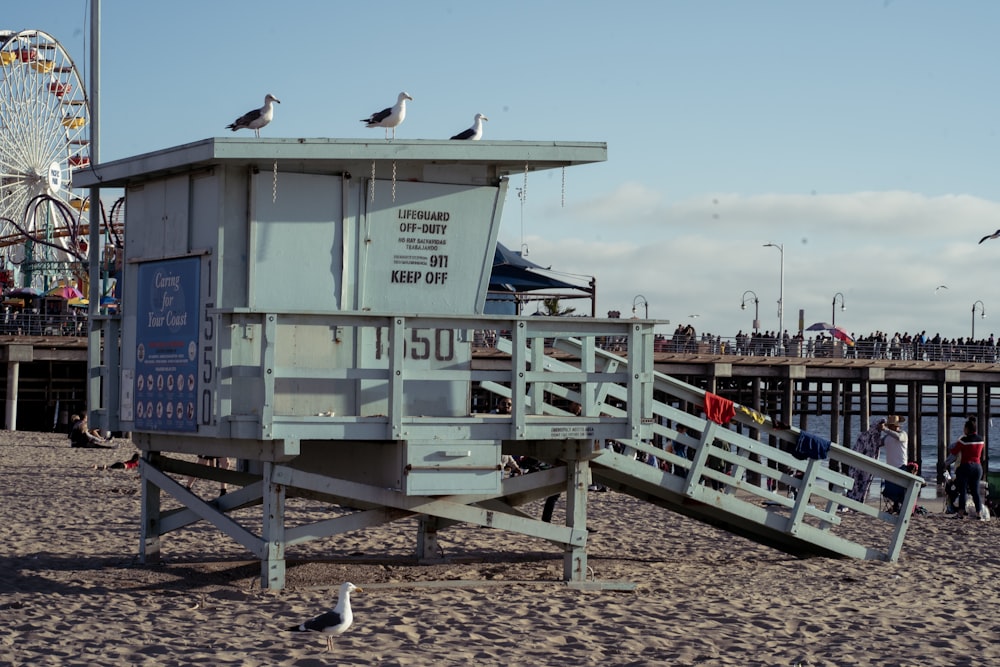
{"x": 65, "y": 292}
{"x": 79, "y": 302}
{"x": 840, "y": 333}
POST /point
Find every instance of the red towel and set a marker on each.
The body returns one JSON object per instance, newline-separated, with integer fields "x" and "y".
{"x": 718, "y": 409}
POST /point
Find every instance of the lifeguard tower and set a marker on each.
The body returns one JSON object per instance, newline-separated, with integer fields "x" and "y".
{"x": 308, "y": 306}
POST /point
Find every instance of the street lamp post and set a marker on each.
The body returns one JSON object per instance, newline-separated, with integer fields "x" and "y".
{"x": 982, "y": 310}
{"x": 781, "y": 287}
{"x": 756, "y": 308}
{"x": 637, "y": 301}
{"x": 833, "y": 315}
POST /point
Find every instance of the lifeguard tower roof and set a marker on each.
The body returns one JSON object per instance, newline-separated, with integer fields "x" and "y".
{"x": 503, "y": 158}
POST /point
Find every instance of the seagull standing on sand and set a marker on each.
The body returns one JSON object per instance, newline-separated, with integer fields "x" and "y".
{"x": 390, "y": 116}
{"x": 474, "y": 133}
{"x": 256, "y": 119}
{"x": 994, "y": 235}
{"x": 332, "y": 623}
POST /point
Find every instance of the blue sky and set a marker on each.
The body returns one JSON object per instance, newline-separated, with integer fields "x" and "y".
{"x": 859, "y": 134}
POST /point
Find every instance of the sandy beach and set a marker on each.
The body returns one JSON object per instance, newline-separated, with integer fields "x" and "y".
{"x": 73, "y": 593}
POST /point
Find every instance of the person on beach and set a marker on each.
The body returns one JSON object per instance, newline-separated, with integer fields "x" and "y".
{"x": 131, "y": 464}
{"x": 867, "y": 443}
{"x": 82, "y": 436}
{"x": 894, "y": 441}
{"x": 681, "y": 450}
{"x": 969, "y": 449}
{"x": 220, "y": 462}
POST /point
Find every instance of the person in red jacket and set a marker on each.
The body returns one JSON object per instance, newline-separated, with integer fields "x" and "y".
{"x": 131, "y": 464}
{"x": 970, "y": 470}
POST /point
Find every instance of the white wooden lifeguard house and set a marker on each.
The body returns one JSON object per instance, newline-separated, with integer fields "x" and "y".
{"x": 307, "y": 307}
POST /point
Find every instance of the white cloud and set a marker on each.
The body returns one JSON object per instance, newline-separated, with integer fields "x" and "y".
{"x": 884, "y": 251}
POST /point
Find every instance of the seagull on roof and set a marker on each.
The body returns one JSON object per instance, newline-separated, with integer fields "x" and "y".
{"x": 256, "y": 119}
{"x": 332, "y": 623}
{"x": 474, "y": 133}
{"x": 994, "y": 235}
{"x": 390, "y": 116}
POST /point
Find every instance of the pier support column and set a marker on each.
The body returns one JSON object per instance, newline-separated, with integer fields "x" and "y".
{"x": 944, "y": 437}
{"x": 983, "y": 412}
{"x": 835, "y": 399}
{"x": 752, "y": 476}
{"x": 913, "y": 416}
{"x": 788, "y": 397}
{"x": 272, "y": 571}
{"x": 15, "y": 353}
{"x": 13, "y": 374}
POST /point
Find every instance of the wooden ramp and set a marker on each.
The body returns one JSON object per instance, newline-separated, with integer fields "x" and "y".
{"x": 724, "y": 479}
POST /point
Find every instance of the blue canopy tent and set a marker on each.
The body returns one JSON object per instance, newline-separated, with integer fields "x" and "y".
{"x": 514, "y": 277}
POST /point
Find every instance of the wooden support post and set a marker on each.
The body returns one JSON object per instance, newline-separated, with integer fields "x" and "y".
{"x": 577, "y": 476}
{"x": 428, "y": 548}
{"x": 272, "y": 574}
{"x": 149, "y": 533}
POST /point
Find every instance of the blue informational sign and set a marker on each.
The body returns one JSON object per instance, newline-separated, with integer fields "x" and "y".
{"x": 166, "y": 382}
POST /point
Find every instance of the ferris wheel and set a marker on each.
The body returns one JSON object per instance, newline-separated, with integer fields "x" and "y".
{"x": 44, "y": 138}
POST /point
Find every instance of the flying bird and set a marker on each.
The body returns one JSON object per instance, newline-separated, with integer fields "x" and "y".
{"x": 256, "y": 119}
{"x": 994, "y": 235}
{"x": 474, "y": 133}
{"x": 940, "y": 287}
{"x": 332, "y": 623}
{"x": 390, "y": 116}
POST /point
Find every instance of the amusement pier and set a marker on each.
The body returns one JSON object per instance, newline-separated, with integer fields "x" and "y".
{"x": 45, "y": 382}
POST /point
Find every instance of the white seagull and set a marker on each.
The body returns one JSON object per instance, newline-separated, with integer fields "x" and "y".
{"x": 256, "y": 119}
{"x": 390, "y": 116}
{"x": 332, "y": 623}
{"x": 474, "y": 133}
{"x": 994, "y": 235}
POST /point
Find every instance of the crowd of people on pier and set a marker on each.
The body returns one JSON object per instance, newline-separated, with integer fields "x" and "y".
{"x": 876, "y": 345}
